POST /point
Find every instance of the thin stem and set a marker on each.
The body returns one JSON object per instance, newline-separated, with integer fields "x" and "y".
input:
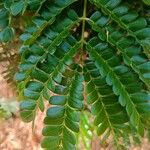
{"x": 83, "y": 22}
{"x": 82, "y": 18}
{"x": 83, "y": 30}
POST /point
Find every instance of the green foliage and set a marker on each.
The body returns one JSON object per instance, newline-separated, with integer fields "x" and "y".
{"x": 84, "y": 56}
{"x": 147, "y": 2}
